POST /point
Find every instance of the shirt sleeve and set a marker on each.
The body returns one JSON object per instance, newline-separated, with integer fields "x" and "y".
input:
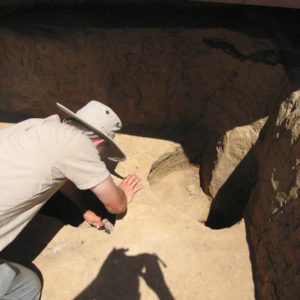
{"x": 79, "y": 161}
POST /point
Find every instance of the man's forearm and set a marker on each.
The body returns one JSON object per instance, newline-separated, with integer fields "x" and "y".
{"x": 116, "y": 198}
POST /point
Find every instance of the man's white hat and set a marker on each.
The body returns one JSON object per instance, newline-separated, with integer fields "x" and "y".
{"x": 103, "y": 121}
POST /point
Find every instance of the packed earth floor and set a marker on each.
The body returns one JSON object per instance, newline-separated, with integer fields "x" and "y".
{"x": 160, "y": 249}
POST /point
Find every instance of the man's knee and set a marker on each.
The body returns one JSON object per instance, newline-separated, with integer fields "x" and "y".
{"x": 25, "y": 284}
{"x": 32, "y": 281}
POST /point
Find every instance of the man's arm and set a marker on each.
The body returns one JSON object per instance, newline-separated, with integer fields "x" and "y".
{"x": 73, "y": 194}
{"x": 116, "y": 198}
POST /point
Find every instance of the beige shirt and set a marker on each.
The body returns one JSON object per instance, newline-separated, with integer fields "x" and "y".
{"x": 37, "y": 156}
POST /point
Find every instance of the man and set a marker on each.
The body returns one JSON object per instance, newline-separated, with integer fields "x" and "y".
{"x": 38, "y": 157}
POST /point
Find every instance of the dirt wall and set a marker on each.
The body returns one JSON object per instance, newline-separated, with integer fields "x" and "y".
{"x": 157, "y": 73}
{"x": 273, "y": 210}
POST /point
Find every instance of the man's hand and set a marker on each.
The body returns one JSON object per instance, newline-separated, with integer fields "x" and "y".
{"x": 92, "y": 219}
{"x": 131, "y": 185}
{"x": 115, "y": 198}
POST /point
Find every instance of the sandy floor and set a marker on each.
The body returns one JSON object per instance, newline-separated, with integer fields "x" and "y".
{"x": 159, "y": 250}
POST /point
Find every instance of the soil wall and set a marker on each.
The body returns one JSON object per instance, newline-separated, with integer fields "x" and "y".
{"x": 157, "y": 69}
{"x": 273, "y": 211}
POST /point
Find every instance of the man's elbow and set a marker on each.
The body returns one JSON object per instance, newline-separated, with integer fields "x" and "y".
{"x": 117, "y": 209}
{"x": 113, "y": 198}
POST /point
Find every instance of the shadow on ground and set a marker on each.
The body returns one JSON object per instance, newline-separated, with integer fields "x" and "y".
{"x": 55, "y": 214}
{"x": 119, "y": 270}
{"x": 119, "y": 276}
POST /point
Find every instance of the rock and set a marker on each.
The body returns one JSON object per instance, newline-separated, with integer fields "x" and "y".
{"x": 231, "y": 150}
{"x": 228, "y": 174}
{"x": 272, "y": 216}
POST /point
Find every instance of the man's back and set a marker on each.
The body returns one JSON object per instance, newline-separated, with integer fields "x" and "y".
{"x": 36, "y": 157}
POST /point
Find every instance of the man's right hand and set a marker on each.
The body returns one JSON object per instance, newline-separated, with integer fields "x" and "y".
{"x": 93, "y": 219}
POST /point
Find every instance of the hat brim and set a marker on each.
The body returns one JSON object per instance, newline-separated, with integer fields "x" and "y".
{"x": 112, "y": 152}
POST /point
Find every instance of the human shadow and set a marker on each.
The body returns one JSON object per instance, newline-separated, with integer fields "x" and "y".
{"x": 119, "y": 276}
{"x": 55, "y": 214}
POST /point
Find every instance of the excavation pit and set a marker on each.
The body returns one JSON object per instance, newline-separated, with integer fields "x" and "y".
{"x": 218, "y": 71}
{"x": 176, "y": 181}
{"x": 163, "y": 231}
